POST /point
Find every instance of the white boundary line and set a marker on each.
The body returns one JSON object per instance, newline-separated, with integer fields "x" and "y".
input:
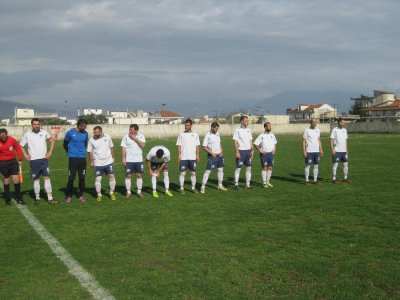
{"x": 84, "y": 277}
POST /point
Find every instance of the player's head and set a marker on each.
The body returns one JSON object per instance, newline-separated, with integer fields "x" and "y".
{"x": 35, "y": 122}
{"x": 214, "y": 127}
{"x": 188, "y": 124}
{"x": 81, "y": 124}
{"x": 3, "y": 134}
{"x": 244, "y": 120}
{"x": 97, "y": 132}
{"x": 313, "y": 122}
{"x": 133, "y": 128}
{"x": 160, "y": 153}
{"x": 340, "y": 122}
{"x": 267, "y": 126}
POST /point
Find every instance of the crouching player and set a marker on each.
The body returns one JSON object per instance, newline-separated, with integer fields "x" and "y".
{"x": 266, "y": 145}
{"x": 101, "y": 154}
{"x": 157, "y": 161}
{"x": 212, "y": 145}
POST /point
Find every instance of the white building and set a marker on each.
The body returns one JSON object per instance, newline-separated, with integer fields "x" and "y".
{"x": 89, "y": 111}
{"x": 23, "y": 116}
{"x": 127, "y": 118}
{"x": 306, "y": 112}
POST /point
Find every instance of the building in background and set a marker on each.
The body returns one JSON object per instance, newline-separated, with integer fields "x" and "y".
{"x": 303, "y": 113}
{"x": 166, "y": 117}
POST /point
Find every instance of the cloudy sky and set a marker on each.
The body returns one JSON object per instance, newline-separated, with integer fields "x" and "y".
{"x": 197, "y": 55}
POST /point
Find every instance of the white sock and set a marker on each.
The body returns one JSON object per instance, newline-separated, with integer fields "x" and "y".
{"x": 36, "y": 187}
{"x": 128, "y": 185}
{"x": 97, "y": 184}
{"x": 315, "y": 173}
{"x": 269, "y": 174}
{"x": 166, "y": 180}
{"x": 220, "y": 176}
{"x": 237, "y": 174}
{"x": 264, "y": 176}
{"x": 193, "y": 179}
{"x": 113, "y": 183}
{"x": 334, "y": 169}
{"x": 307, "y": 171}
{"x": 205, "y": 177}
{"x": 248, "y": 176}
{"x": 48, "y": 187}
{"x": 182, "y": 179}
{"x": 345, "y": 169}
{"x": 139, "y": 184}
{"x": 154, "y": 182}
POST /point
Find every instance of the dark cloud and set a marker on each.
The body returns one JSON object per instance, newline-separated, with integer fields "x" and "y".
{"x": 202, "y": 52}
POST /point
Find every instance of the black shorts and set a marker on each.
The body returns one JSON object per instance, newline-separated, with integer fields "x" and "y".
{"x": 9, "y": 168}
{"x": 76, "y": 165}
{"x": 39, "y": 167}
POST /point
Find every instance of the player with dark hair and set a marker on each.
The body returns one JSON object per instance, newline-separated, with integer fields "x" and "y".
{"x": 10, "y": 151}
{"x": 215, "y": 157}
{"x": 339, "y": 150}
{"x": 266, "y": 145}
{"x": 132, "y": 158}
{"x": 75, "y": 143}
{"x": 38, "y": 158}
{"x": 188, "y": 155}
{"x": 157, "y": 161}
{"x": 244, "y": 151}
{"x": 312, "y": 150}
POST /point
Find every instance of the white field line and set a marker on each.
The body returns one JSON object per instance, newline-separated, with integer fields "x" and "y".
{"x": 86, "y": 280}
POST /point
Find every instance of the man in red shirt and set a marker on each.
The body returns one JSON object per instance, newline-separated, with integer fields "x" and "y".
{"x": 9, "y": 166}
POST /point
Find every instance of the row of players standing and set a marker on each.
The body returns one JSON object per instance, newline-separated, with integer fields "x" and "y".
{"x": 101, "y": 154}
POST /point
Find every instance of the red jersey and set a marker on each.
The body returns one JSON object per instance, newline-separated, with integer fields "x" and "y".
{"x": 8, "y": 148}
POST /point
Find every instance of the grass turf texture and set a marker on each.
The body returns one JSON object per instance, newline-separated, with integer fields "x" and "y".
{"x": 291, "y": 241}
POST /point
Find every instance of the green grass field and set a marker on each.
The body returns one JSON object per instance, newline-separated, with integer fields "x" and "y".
{"x": 292, "y": 241}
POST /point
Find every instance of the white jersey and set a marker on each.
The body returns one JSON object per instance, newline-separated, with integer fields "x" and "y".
{"x": 266, "y": 141}
{"x": 339, "y": 137}
{"x": 37, "y": 143}
{"x": 213, "y": 142}
{"x": 152, "y": 155}
{"x": 312, "y": 138}
{"x": 188, "y": 142}
{"x": 133, "y": 152}
{"x": 101, "y": 149}
{"x": 244, "y": 138}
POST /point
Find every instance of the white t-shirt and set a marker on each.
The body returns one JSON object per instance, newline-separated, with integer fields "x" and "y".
{"x": 213, "y": 142}
{"x": 188, "y": 142}
{"x": 37, "y": 143}
{"x": 339, "y": 137}
{"x": 101, "y": 149}
{"x": 133, "y": 152}
{"x": 244, "y": 138}
{"x": 312, "y": 138}
{"x": 152, "y": 155}
{"x": 266, "y": 141}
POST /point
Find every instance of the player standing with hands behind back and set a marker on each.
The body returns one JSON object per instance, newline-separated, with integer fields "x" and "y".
{"x": 312, "y": 150}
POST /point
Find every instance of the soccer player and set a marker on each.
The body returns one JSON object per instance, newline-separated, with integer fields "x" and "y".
{"x": 244, "y": 151}
{"x": 188, "y": 155}
{"x": 339, "y": 150}
{"x": 266, "y": 145}
{"x": 132, "y": 158}
{"x": 157, "y": 161}
{"x": 212, "y": 145}
{"x": 101, "y": 155}
{"x": 75, "y": 143}
{"x": 10, "y": 151}
{"x": 38, "y": 158}
{"x": 312, "y": 150}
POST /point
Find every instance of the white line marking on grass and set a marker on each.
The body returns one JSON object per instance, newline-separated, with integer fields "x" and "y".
{"x": 84, "y": 277}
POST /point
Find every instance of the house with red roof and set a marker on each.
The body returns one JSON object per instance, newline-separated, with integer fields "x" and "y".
{"x": 303, "y": 113}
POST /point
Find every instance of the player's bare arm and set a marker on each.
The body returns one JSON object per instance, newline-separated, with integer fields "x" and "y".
{"x": 50, "y": 152}
{"x": 237, "y": 153}
{"x": 123, "y": 156}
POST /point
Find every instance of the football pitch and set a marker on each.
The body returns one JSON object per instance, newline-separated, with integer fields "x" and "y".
{"x": 290, "y": 241}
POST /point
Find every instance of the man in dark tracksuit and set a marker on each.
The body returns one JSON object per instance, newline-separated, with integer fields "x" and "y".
{"x": 75, "y": 143}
